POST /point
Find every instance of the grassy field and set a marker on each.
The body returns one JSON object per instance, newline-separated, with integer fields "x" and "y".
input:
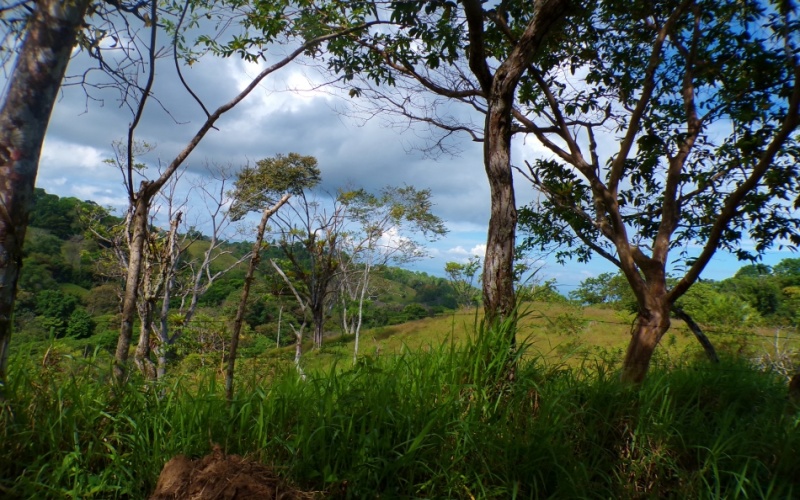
{"x": 558, "y": 333}
{"x": 426, "y": 413}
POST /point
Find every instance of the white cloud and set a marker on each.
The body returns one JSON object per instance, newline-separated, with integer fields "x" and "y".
{"x": 459, "y": 250}
{"x": 479, "y": 250}
{"x": 55, "y": 151}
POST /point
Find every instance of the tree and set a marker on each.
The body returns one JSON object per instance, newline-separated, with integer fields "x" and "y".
{"x": 468, "y": 52}
{"x": 701, "y": 99}
{"x": 51, "y": 33}
{"x": 788, "y": 272}
{"x": 462, "y": 279}
{"x": 606, "y": 288}
{"x": 296, "y": 25}
{"x": 310, "y": 235}
{"x": 191, "y": 280}
{"x": 381, "y": 229}
{"x": 266, "y": 188}
{"x": 80, "y": 325}
{"x": 713, "y": 307}
{"x": 56, "y": 308}
{"x": 758, "y": 287}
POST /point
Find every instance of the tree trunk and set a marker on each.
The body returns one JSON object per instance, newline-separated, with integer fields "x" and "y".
{"x": 708, "y": 347}
{"x": 318, "y": 315}
{"x": 280, "y": 318}
{"x": 498, "y": 282}
{"x": 32, "y": 90}
{"x": 248, "y": 280}
{"x": 142, "y": 354}
{"x": 500, "y": 90}
{"x": 298, "y": 349}
{"x": 361, "y": 297}
{"x": 651, "y": 325}
{"x": 139, "y": 224}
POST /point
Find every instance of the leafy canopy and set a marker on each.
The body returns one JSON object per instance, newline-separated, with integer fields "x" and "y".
{"x": 260, "y": 186}
{"x": 671, "y": 125}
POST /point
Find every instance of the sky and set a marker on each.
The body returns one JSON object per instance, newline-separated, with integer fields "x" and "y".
{"x": 351, "y": 151}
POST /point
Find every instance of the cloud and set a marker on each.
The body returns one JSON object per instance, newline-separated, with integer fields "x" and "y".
{"x": 459, "y": 250}
{"x": 479, "y": 249}
{"x": 369, "y": 154}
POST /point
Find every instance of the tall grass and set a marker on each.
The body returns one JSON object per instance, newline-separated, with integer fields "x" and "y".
{"x": 441, "y": 424}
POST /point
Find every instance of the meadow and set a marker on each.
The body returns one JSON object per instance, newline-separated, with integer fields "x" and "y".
{"x": 428, "y": 411}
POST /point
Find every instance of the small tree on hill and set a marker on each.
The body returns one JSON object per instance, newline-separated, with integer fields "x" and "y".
{"x": 462, "y": 279}
{"x": 266, "y": 188}
{"x": 382, "y": 229}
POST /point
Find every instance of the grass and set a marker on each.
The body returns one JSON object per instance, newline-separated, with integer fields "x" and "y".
{"x": 442, "y": 422}
{"x": 557, "y": 333}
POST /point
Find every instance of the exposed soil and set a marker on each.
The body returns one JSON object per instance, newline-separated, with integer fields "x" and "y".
{"x": 222, "y": 477}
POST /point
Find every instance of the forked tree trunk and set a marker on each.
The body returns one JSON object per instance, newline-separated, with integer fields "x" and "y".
{"x": 32, "y": 90}
{"x": 142, "y": 355}
{"x": 500, "y": 90}
{"x": 136, "y": 249}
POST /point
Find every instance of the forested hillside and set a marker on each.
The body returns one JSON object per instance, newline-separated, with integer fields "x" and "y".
{"x": 71, "y": 285}
{"x": 71, "y": 288}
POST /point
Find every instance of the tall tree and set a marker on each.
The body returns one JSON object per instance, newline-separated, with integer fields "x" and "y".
{"x": 468, "y": 52}
{"x": 40, "y": 66}
{"x": 266, "y": 188}
{"x": 672, "y": 125}
{"x": 462, "y": 279}
{"x": 310, "y": 236}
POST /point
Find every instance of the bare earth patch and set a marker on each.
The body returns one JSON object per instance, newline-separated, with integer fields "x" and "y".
{"x": 222, "y": 477}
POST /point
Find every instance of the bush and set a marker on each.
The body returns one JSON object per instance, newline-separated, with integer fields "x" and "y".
{"x": 80, "y": 325}
{"x": 415, "y": 311}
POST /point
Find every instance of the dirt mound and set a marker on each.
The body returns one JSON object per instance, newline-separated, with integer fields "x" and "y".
{"x": 222, "y": 477}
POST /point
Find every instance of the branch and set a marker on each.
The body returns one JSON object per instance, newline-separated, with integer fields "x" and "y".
{"x": 145, "y": 94}
{"x": 647, "y": 91}
{"x": 209, "y": 123}
{"x": 671, "y": 207}
{"x": 708, "y": 347}
{"x": 473, "y": 9}
{"x": 731, "y": 205}
{"x": 291, "y": 287}
{"x": 175, "y": 58}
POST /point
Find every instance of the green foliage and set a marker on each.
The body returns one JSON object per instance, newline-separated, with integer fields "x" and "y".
{"x": 103, "y": 299}
{"x": 708, "y": 306}
{"x": 261, "y": 186}
{"x": 55, "y": 304}
{"x": 60, "y": 216}
{"x": 606, "y": 288}
{"x": 541, "y": 292}
{"x": 80, "y": 324}
{"x": 414, "y": 311}
{"x": 404, "y": 210}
